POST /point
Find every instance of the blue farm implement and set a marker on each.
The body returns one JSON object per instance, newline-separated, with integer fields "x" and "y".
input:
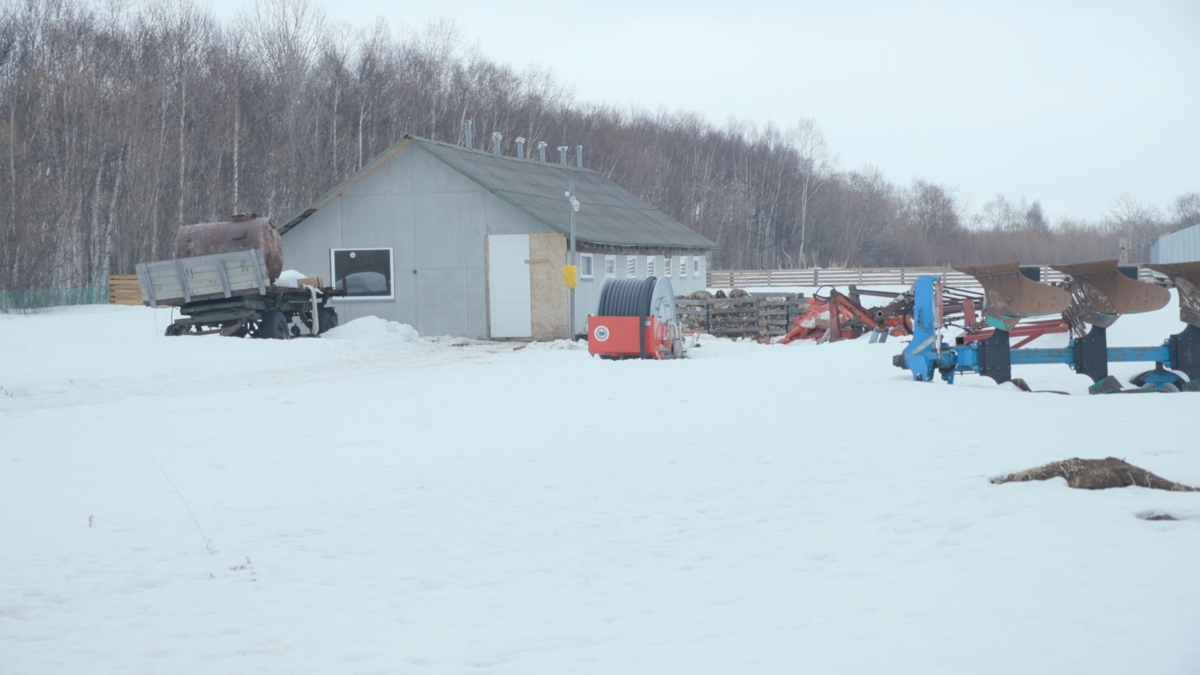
{"x": 1093, "y": 298}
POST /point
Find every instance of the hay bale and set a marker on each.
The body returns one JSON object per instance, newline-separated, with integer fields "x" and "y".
{"x": 700, "y": 295}
{"x": 720, "y": 294}
{"x": 738, "y": 293}
{"x": 1096, "y": 474}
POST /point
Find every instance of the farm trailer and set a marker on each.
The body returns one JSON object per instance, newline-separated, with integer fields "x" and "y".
{"x": 221, "y": 278}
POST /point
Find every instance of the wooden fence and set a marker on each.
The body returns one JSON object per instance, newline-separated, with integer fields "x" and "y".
{"x": 123, "y": 290}
{"x": 864, "y": 276}
{"x": 759, "y": 316}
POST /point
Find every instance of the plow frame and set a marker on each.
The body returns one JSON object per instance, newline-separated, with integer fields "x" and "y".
{"x": 994, "y": 356}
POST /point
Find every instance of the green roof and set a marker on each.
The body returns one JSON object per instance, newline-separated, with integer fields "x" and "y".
{"x": 608, "y": 213}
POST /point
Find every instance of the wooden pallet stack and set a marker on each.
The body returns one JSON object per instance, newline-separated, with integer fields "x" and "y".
{"x": 692, "y": 313}
{"x": 123, "y": 290}
{"x": 778, "y": 311}
{"x": 734, "y": 317}
{"x": 758, "y": 316}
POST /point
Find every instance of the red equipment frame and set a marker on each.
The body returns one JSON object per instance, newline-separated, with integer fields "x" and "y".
{"x": 616, "y": 337}
{"x": 1028, "y": 331}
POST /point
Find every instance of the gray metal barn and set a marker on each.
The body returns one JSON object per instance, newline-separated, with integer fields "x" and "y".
{"x": 462, "y": 242}
{"x": 1178, "y": 246}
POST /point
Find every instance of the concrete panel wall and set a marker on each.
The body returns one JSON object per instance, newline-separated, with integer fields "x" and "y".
{"x": 450, "y": 224}
{"x": 449, "y": 229}
{"x": 549, "y": 297}
{"x": 441, "y": 302}
{"x": 380, "y": 220}
{"x": 306, "y": 247}
{"x": 434, "y": 219}
{"x": 374, "y": 214}
{"x": 476, "y": 307}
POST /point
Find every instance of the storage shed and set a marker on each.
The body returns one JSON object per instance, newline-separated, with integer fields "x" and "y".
{"x": 462, "y": 242}
{"x": 1179, "y": 246}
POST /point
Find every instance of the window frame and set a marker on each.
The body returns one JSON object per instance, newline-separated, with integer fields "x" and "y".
{"x": 650, "y": 260}
{"x": 667, "y": 260}
{"x": 631, "y": 267}
{"x": 610, "y": 265}
{"x": 696, "y": 267}
{"x": 364, "y": 298}
{"x": 683, "y": 266}
{"x": 591, "y": 266}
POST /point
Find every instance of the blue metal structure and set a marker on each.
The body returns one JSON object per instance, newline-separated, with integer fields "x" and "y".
{"x": 927, "y": 354}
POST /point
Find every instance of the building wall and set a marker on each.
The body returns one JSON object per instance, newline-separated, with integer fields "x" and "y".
{"x": 435, "y": 220}
{"x": 587, "y": 289}
{"x": 1181, "y": 246}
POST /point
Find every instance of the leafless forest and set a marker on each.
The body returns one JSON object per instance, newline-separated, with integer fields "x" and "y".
{"x": 118, "y": 124}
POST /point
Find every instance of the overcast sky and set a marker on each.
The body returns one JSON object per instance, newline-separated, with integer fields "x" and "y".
{"x": 1069, "y": 103}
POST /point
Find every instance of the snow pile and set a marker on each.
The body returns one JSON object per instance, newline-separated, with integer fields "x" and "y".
{"x": 373, "y": 328}
{"x": 558, "y": 345}
{"x": 290, "y": 279}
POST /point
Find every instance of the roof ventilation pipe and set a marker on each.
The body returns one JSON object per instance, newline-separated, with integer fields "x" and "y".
{"x": 467, "y": 134}
{"x": 579, "y": 156}
{"x": 521, "y": 147}
{"x": 542, "y": 151}
{"x": 496, "y": 138}
{"x": 562, "y": 155}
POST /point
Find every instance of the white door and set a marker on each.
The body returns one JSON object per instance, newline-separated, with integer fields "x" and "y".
{"x": 508, "y": 286}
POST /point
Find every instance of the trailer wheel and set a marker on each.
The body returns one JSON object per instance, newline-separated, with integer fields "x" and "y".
{"x": 274, "y": 326}
{"x": 174, "y": 330}
{"x": 328, "y": 317}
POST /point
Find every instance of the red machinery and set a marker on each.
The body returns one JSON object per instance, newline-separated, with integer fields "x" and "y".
{"x": 1026, "y": 330}
{"x": 841, "y": 317}
{"x": 624, "y": 306}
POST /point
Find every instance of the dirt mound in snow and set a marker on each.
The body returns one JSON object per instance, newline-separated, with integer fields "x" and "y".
{"x": 1096, "y": 474}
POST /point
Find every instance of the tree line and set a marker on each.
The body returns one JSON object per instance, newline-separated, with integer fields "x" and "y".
{"x": 120, "y": 124}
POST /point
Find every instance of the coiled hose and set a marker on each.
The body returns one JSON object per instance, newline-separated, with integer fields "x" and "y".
{"x": 629, "y": 297}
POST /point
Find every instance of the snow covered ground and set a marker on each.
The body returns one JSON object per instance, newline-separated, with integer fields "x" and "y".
{"x": 382, "y": 504}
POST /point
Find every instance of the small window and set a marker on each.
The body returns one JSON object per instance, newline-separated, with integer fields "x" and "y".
{"x": 631, "y": 266}
{"x": 696, "y": 267}
{"x": 667, "y": 265}
{"x": 610, "y": 265}
{"x": 364, "y": 273}
{"x": 649, "y": 266}
{"x": 585, "y": 266}
{"x": 683, "y": 267}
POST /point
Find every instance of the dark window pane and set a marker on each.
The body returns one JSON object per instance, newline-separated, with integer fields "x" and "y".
{"x": 363, "y": 273}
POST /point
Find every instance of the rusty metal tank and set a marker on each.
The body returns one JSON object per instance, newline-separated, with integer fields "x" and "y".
{"x": 242, "y": 233}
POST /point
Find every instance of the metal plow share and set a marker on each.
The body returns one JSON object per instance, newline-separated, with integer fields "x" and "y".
{"x": 1094, "y": 296}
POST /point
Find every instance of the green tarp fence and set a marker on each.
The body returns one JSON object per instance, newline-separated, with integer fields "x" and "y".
{"x": 31, "y": 301}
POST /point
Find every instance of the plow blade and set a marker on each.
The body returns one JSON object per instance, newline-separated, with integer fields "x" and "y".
{"x": 1186, "y": 277}
{"x": 1102, "y": 294}
{"x": 1011, "y": 296}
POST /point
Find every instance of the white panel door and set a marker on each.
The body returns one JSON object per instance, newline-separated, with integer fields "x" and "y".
{"x": 508, "y": 286}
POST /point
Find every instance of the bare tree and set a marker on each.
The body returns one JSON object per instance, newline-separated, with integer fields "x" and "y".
{"x": 814, "y": 163}
{"x": 1185, "y": 210}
